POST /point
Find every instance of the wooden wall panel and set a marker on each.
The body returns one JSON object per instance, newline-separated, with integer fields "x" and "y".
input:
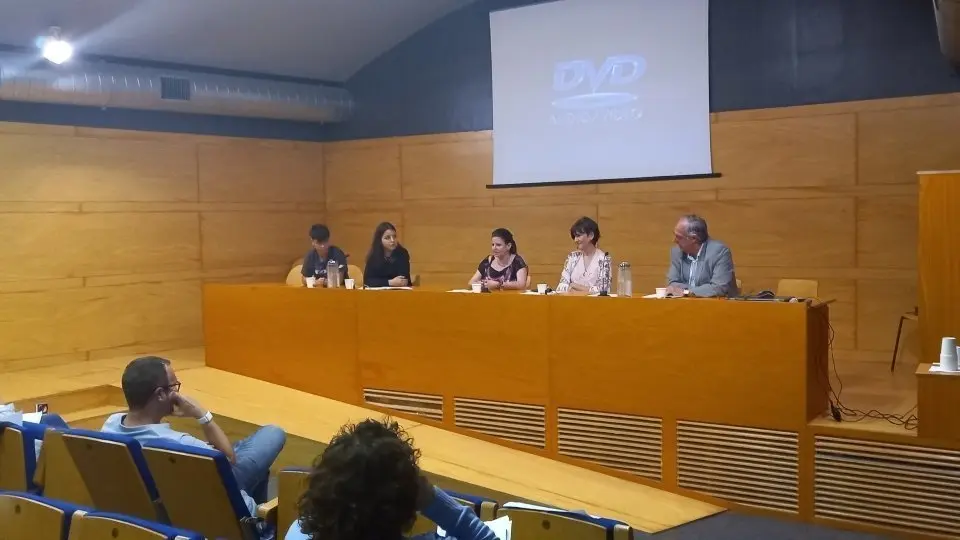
{"x": 825, "y": 192}
{"x": 107, "y": 235}
{"x": 261, "y": 172}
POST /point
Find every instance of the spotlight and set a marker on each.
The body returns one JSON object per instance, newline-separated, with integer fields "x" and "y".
{"x": 56, "y": 49}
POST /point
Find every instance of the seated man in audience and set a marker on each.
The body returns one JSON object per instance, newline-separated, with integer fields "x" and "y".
{"x": 699, "y": 264}
{"x": 367, "y": 484}
{"x": 152, "y": 391}
{"x": 9, "y": 413}
{"x": 315, "y": 261}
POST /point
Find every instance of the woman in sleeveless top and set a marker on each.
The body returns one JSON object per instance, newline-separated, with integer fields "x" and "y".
{"x": 503, "y": 268}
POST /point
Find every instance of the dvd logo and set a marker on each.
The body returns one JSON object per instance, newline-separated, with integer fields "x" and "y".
{"x": 618, "y": 70}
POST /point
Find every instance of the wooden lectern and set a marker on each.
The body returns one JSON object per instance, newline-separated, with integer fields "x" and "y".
{"x": 938, "y": 260}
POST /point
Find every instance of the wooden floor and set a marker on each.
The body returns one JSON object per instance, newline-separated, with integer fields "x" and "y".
{"x": 456, "y": 459}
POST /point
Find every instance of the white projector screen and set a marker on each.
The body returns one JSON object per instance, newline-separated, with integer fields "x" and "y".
{"x": 587, "y": 90}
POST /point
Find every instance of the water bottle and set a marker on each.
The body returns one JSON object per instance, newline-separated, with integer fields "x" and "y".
{"x": 624, "y": 280}
{"x": 333, "y": 274}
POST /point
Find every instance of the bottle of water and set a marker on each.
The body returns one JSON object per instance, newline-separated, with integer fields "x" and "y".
{"x": 624, "y": 280}
{"x": 333, "y": 274}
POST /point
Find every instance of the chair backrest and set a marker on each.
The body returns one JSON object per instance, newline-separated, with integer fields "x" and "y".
{"x": 104, "y": 525}
{"x": 18, "y": 458}
{"x": 356, "y": 274}
{"x": 30, "y": 517}
{"x": 198, "y": 490}
{"x": 57, "y": 475}
{"x": 800, "y": 288}
{"x": 563, "y": 525}
{"x": 115, "y": 473}
{"x": 294, "y": 277}
{"x": 291, "y": 484}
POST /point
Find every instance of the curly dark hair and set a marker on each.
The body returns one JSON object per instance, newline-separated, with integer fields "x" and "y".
{"x": 364, "y": 486}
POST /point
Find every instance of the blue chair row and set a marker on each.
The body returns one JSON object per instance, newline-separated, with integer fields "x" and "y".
{"x": 166, "y": 482}
{"x": 26, "y": 516}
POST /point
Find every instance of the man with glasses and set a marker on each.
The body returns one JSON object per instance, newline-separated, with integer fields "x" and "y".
{"x": 152, "y": 391}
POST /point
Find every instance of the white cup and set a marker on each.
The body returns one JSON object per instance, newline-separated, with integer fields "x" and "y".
{"x": 348, "y": 283}
{"x": 948, "y": 345}
{"x": 541, "y": 288}
{"x": 661, "y": 292}
{"x": 311, "y": 282}
{"x": 948, "y": 362}
{"x": 476, "y": 287}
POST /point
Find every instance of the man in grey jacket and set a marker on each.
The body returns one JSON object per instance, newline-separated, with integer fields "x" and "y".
{"x": 699, "y": 264}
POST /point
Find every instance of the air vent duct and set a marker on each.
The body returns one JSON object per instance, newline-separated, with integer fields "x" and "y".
{"x": 104, "y": 84}
{"x": 948, "y": 28}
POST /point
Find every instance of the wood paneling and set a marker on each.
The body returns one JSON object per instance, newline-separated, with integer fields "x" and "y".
{"x": 939, "y": 259}
{"x": 824, "y": 192}
{"x": 107, "y": 235}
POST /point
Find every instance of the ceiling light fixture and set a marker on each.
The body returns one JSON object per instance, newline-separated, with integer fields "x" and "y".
{"x": 56, "y": 49}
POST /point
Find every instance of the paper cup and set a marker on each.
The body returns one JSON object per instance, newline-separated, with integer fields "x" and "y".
{"x": 948, "y": 362}
{"x": 948, "y": 345}
{"x": 311, "y": 282}
{"x": 348, "y": 283}
{"x": 476, "y": 287}
{"x": 661, "y": 292}
{"x": 541, "y": 288}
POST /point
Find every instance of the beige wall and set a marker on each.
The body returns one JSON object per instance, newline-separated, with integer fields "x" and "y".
{"x": 106, "y": 236}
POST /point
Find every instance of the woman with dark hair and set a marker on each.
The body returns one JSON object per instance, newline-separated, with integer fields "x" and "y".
{"x": 388, "y": 263}
{"x": 367, "y": 485}
{"x": 587, "y": 269}
{"x": 503, "y": 268}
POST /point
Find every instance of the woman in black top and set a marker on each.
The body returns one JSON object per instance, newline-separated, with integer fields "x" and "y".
{"x": 388, "y": 263}
{"x": 503, "y": 269}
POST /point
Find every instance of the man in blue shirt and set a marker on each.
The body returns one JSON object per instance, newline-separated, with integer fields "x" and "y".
{"x": 152, "y": 391}
{"x": 315, "y": 261}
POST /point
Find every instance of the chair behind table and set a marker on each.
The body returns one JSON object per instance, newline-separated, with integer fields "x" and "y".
{"x": 115, "y": 473}
{"x": 199, "y": 491}
{"x": 104, "y": 525}
{"x": 291, "y": 484}
{"x": 18, "y": 458}
{"x": 547, "y": 524}
{"x": 24, "y": 516}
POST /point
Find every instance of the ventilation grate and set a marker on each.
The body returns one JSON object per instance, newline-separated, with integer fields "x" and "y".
{"x": 426, "y": 405}
{"x": 624, "y": 442}
{"x": 514, "y": 422}
{"x": 910, "y": 488}
{"x": 174, "y": 88}
{"x": 750, "y": 466}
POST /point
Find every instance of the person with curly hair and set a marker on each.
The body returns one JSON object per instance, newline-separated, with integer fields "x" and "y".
{"x": 367, "y": 485}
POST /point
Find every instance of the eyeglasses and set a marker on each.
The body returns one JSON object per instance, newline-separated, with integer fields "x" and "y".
{"x": 175, "y": 387}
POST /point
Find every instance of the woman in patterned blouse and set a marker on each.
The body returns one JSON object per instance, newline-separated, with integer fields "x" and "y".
{"x": 588, "y": 268}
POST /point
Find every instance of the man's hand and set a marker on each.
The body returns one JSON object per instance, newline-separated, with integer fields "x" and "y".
{"x": 399, "y": 281}
{"x": 186, "y": 407}
{"x": 675, "y": 290}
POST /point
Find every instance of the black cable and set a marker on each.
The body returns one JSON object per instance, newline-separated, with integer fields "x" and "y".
{"x": 907, "y": 420}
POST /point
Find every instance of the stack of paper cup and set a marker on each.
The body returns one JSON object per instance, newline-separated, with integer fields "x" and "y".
{"x": 948, "y": 354}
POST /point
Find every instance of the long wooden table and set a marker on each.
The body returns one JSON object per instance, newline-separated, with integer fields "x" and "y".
{"x": 755, "y": 364}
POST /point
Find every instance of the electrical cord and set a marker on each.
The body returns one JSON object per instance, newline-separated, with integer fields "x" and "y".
{"x": 840, "y": 412}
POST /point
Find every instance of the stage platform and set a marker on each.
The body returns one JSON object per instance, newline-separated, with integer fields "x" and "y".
{"x": 86, "y": 392}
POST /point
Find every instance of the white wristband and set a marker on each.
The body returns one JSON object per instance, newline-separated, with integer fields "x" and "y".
{"x": 205, "y": 419}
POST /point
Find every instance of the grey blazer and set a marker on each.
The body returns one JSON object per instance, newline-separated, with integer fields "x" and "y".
{"x": 714, "y": 271}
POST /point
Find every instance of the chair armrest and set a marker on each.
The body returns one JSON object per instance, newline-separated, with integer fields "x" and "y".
{"x": 268, "y": 511}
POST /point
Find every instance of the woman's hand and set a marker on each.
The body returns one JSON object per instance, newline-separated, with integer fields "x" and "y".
{"x": 579, "y": 287}
{"x": 399, "y": 281}
{"x": 491, "y": 284}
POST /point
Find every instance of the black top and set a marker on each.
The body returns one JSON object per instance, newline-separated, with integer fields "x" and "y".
{"x": 487, "y": 271}
{"x": 314, "y": 266}
{"x": 378, "y": 273}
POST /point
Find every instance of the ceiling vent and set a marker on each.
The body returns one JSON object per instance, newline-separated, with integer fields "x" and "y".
{"x": 948, "y": 27}
{"x": 104, "y": 84}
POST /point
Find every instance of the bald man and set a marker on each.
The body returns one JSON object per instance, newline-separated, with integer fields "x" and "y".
{"x": 699, "y": 264}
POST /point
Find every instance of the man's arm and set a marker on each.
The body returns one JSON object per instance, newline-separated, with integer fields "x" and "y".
{"x": 186, "y": 407}
{"x": 719, "y": 284}
{"x": 457, "y": 520}
{"x": 674, "y": 273}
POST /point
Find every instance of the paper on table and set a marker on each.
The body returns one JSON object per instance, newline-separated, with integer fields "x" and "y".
{"x": 502, "y": 527}
{"x": 525, "y": 506}
{"x": 462, "y": 290}
{"x": 32, "y": 417}
{"x": 389, "y": 288}
{"x": 934, "y": 368}
{"x": 535, "y": 293}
